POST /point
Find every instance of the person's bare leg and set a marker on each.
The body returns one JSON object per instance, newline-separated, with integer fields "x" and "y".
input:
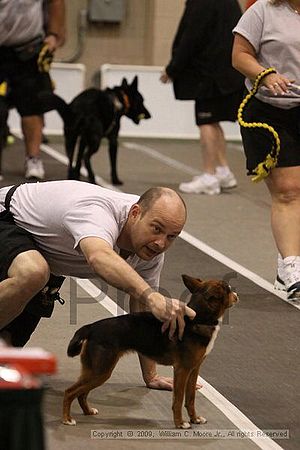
{"x": 32, "y": 127}
{"x": 27, "y": 275}
{"x": 213, "y": 147}
{"x": 284, "y": 186}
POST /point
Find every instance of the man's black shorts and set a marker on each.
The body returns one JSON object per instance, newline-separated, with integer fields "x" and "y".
{"x": 13, "y": 241}
{"x": 257, "y": 142}
{"x": 217, "y": 109}
{"x": 24, "y": 83}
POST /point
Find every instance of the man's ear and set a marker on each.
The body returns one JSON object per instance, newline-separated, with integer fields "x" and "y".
{"x": 135, "y": 211}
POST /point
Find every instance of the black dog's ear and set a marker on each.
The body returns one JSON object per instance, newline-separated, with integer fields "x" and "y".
{"x": 193, "y": 284}
{"x": 134, "y": 84}
{"x": 124, "y": 83}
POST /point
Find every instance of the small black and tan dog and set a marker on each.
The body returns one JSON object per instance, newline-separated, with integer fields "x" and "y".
{"x": 93, "y": 115}
{"x": 102, "y": 343}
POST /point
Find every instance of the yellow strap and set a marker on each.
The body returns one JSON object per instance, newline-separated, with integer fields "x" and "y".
{"x": 44, "y": 59}
{"x": 263, "y": 169}
{"x": 3, "y": 89}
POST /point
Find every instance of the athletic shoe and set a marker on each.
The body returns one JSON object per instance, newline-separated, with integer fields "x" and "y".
{"x": 201, "y": 184}
{"x": 34, "y": 169}
{"x": 226, "y": 180}
{"x": 293, "y": 292}
{"x": 279, "y": 284}
{"x": 292, "y": 277}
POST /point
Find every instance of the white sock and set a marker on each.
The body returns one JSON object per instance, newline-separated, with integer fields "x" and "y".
{"x": 223, "y": 171}
{"x": 280, "y": 267}
{"x": 209, "y": 177}
{"x": 291, "y": 270}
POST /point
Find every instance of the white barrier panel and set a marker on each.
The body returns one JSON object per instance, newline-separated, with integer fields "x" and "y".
{"x": 170, "y": 118}
{"x": 69, "y": 80}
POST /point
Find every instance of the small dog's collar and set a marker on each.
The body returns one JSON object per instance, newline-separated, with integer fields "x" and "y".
{"x": 126, "y": 101}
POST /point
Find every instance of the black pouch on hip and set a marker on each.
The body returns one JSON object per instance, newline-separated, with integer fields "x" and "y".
{"x": 29, "y": 50}
{"x": 42, "y": 304}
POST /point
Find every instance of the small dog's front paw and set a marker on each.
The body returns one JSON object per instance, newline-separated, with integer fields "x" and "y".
{"x": 69, "y": 421}
{"x": 92, "y": 412}
{"x": 184, "y": 425}
{"x": 198, "y": 420}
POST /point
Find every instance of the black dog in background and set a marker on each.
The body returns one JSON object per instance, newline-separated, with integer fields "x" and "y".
{"x": 95, "y": 114}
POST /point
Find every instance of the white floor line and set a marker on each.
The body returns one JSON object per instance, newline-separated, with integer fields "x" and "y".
{"x": 170, "y": 162}
{"x": 208, "y": 391}
{"x": 236, "y": 416}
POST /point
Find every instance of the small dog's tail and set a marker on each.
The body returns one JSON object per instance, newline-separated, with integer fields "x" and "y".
{"x": 74, "y": 347}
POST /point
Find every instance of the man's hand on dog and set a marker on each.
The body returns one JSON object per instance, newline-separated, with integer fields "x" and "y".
{"x": 170, "y": 311}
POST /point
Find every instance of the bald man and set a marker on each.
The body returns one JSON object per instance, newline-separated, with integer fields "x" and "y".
{"x": 71, "y": 228}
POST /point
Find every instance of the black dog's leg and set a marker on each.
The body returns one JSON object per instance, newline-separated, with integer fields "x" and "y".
{"x": 76, "y": 169}
{"x": 113, "y": 151}
{"x": 70, "y": 143}
{"x": 93, "y": 147}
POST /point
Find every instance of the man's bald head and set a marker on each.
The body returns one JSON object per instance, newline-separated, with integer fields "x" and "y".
{"x": 150, "y": 197}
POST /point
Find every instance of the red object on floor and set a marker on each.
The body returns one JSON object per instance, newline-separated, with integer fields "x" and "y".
{"x": 35, "y": 361}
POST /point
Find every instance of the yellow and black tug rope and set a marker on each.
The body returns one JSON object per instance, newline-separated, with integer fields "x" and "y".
{"x": 263, "y": 169}
{"x": 45, "y": 59}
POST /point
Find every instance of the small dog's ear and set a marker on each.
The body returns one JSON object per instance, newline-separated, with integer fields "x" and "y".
{"x": 193, "y": 284}
{"x": 134, "y": 84}
{"x": 124, "y": 83}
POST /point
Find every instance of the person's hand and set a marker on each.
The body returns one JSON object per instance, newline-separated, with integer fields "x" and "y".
{"x": 52, "y": 42}
{"x": 164, "y": 78}
{"x": 276, "y": 83}
{"x": 170, "y": 311}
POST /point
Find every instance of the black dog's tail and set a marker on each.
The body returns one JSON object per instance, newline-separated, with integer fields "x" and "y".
{"x": 74, "y": 347}
{"x": 52, "y": 101}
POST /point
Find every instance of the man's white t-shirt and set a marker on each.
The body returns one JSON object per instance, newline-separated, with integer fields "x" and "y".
{"x": 59, "y": 214}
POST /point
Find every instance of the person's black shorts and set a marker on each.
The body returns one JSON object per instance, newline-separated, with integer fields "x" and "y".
{"x": 13, "y": 241}
{"x": 217, "y": 109}
{"x": 24, "y": 83}
{"x": 257, "y": 142}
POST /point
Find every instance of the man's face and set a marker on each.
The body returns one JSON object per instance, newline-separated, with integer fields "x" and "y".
{"x": 154, "y": 231}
